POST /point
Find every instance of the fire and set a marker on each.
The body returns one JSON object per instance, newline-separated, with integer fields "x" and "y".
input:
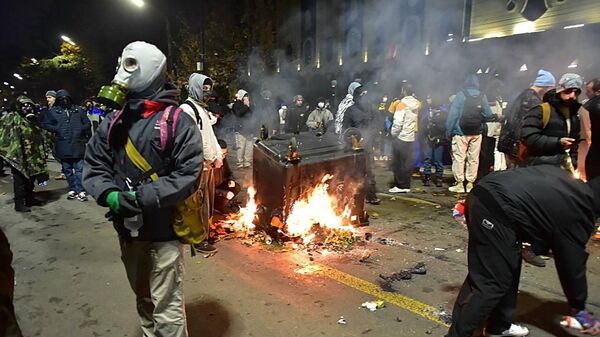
{"x": 244, "y": 220}
{"x": 317, "y": 214}
{"x": 318, "y": 207}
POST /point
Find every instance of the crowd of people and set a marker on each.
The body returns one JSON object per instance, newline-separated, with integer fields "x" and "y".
{"x": 144, "y": 159}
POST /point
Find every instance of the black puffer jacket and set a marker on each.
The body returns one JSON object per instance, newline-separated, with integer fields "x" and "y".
{"x": 71, "y": 126}
{"x": 176, "y": 182}
{"x": 543, "y": 143}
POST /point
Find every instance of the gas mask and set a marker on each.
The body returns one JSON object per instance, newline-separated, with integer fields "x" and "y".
{"x": 27, "y": 109}
{"x": 141, "y": 73}
{"x": 321, "y": 105}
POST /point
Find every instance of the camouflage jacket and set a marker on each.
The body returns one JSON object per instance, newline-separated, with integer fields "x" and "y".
{"x": 23, "y": 145}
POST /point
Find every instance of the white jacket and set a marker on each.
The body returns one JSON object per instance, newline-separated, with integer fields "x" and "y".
{"x": 210, "y": 145}
{"x": 405, "y": 119}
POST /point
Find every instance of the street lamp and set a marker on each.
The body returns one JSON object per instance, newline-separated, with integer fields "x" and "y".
{"x": 68, "y": 40}
{"x": 140, "y": 4}
{"x": 17, "y": 76}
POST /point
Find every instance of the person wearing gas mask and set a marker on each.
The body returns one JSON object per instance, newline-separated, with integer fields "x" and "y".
{"x": 72, "y": 128}
{"x": 199, "y": 88}
{"x": 142, "y": 203}
{"x": 22, "y": 146}
{"x": 320, "y": 119}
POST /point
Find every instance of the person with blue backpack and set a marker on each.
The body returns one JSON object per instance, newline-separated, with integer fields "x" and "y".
{"x": 464, "y": 126}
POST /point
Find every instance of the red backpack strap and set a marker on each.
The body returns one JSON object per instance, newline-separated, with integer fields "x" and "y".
{"x": 168, "y": 124}
{"x": 164, "y": 130}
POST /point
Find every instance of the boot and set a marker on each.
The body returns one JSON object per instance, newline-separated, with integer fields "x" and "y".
{"x": 20, "y": 205}
{"x": 438, "y": 181}
{"x": 30, "y": 201}
{"x": 427, "y": 180}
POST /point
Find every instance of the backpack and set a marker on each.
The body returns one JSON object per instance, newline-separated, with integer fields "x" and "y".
{"x": 196, "y": 112}
{"x": 522, "y": 148}
{"x": 188, "y": 221}
{"x": 471, "y": 118}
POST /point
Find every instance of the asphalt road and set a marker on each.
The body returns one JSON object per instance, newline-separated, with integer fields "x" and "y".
{"x": 70, "y": 281}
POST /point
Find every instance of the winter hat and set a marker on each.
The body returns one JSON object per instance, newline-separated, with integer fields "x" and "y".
{"x": 570, "y": 81}
{"x": 353, "y": 87}
{"x": 51, "y": 93}
{"x": 472, "y": 81}
{"x": 544, "y": 79}
{"x": 240, "y": 94}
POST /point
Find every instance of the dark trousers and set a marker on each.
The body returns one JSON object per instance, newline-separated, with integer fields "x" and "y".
{"x": 8, "y": 321}
{"x": 486, "y": 156}
{"x": 370, "y": 186}
{"x": 494, "y": 265}
{"x": 23, "y": 187}
{"x": 403, "y": 160}
{"x": 73, "y": 170}
{"x": 433, "y": 153}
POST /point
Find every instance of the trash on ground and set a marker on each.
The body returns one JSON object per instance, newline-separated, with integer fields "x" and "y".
{"x": 390, "y": 242}
{"x": 374, "y": 215}
{"x": 459, "y": 250}
{"x": 571, "y": 322}
{"x": 373, "y": 305}
{"x": 407, "y": 274}
{"x": 439, "y": 249}
{"x": 443, "y": 315}
{"x": 342, "y": 320}
{"x": 368, "y": 236}
{"x": 366, "y": 254}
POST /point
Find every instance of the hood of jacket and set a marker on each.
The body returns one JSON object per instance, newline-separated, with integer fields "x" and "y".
{"x": 353, "y": 87}
{"x": 240, "y": 94}
{"x": 195, "y": 83}
{"x": 61, "y": 94}
{"x": 472, "y": 82}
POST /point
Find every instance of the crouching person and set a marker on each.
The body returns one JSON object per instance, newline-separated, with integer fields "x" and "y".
{"x": 148, "y": 132}
{"x": 544, "y": 202}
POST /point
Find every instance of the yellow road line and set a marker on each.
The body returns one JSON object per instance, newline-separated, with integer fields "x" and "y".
{"x": 401, "y": 301}
{"x": 417, "y": 200}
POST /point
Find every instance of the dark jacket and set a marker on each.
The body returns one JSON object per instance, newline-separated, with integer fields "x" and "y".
{"x": 543, "y": 143}
{"x": 244, "y": 123}
{"x": 71, "y": 126}
{"x": 545, "y": 204}
{"x": 106, "y": 165}
{"x": 295, "y": 119}
{"x": 433, "y": 124}
{"x": 360, "y": 117}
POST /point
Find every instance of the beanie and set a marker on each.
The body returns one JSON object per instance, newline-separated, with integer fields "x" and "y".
{"x": 570, "y": 81}
{"x": 544, "y": 79}
{"x": 51, "y": 93}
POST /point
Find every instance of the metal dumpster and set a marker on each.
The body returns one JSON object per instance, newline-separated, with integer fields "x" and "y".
{"x": 281, "y": 179}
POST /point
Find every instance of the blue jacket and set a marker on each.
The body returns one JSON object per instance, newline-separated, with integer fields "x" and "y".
{"x": 456, "y": 109}
{"x": 70, "y": 125}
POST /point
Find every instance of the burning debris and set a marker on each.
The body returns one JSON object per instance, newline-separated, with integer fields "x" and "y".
{"x": 314, "y": 221}
{"x": 407, "y": 274}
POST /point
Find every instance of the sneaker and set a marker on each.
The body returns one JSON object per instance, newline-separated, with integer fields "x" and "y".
{"x": 469, "y": 187}
{"x": 395, "y": 190}
{"x": 529, "y": 256}
{"x": 60, "y": 177}
{"x": 205, "y": 247}
{"x": 71, "y": 195}
{"x": 82, "y": 196}
{"x": 404, "y": 190}
{"x": 513, "y": 331}
{"x": 458, "y": 188}
{"x": 438, "y": 182}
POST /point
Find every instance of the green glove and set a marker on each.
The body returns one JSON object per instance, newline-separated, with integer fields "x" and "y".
{"x": 123, "y": 203}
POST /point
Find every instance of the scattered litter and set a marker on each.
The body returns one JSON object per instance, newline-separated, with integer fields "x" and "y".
{"x": 443, "y": 315}
{"x": 366, "y": 254}
{"x": 390, "y": 242}
{"x": 459, "y": 250}
{"x": 342, "y": 320}
{"x": 393, "y": 198}
{"x": 368, "y": 236}
{"x": 398, "y": 319}
{"x": 373, "y": 305}
{"x": 439, "y": 249}
{"x": 374, "y": 215}
{"x": 571, "y": 322}
{"x": 419, "y": 269}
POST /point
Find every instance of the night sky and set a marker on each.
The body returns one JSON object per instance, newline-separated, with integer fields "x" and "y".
{"x": 32, "y": 28}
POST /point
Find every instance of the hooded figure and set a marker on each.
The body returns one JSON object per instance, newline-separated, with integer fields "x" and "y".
{"x": 320, "y": 118}
{"x": 245, "y": 128}
{"x": 23, "y": 147}
{"x": 347, "y": 102}
{"x": 296, "y": 117}
{"x": 142, "y": 206}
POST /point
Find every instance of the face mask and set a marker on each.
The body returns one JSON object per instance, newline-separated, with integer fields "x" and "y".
{"x": 27, "y": 109}
{"x": 64, "y": 101}
{"x": 321, "y": 105}
{"x": 141, "y": 71}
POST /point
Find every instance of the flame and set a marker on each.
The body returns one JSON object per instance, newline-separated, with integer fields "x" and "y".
{"x": 317, "y": 208}
{"x": 244, "y": 220}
